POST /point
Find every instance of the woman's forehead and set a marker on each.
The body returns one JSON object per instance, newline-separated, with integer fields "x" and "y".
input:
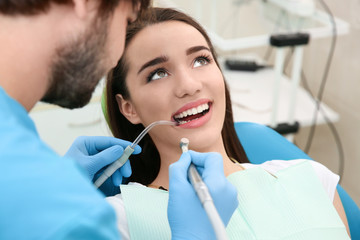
{"x": 165, "y": 36}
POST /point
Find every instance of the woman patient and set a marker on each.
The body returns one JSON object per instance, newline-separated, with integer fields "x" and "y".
{"x": 169, "y": 71}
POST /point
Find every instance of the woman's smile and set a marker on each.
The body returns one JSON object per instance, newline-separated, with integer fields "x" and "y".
{"x": 194, "y": 114}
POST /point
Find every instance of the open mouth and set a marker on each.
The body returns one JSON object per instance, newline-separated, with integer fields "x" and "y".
{"x": 192, "y": 113}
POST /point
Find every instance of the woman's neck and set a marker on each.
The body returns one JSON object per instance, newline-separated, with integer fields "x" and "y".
{"x": 168, "y": 157}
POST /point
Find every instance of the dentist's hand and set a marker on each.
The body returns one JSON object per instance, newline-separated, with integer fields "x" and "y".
{"x": 187, "y": 217}
{"x": 95, "y": 153}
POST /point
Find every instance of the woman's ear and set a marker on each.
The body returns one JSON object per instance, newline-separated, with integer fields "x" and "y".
{"x": 127, "y": 109}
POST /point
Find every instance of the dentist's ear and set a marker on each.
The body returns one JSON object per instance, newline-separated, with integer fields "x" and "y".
{"x": 83, "y": 7}
{"x": 127, "y": 109}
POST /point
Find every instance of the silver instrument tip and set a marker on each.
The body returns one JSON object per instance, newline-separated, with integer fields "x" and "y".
{"x": 184, "y": 144}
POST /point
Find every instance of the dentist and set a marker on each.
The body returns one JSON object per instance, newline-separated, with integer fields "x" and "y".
{"x": 56, "y": 51}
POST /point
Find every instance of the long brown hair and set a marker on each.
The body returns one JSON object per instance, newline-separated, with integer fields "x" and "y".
{"x": 145, "y": 171}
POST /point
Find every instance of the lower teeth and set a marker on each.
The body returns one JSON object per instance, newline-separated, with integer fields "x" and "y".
{"x": 183, "y": 122}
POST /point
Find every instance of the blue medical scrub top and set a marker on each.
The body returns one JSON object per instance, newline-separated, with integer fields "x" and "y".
{"x": 42, "y": 195}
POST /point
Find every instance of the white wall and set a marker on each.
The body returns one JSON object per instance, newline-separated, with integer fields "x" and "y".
{"x": 342, "y": 94}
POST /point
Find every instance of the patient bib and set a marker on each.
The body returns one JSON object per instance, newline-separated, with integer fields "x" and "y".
{"x": 289, "y": 205}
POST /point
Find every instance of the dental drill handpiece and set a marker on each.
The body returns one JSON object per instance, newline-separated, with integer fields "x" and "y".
{"x": 127, "y": 152}
{"x": 204, "y": 195}
{"x": 194, "y": 176}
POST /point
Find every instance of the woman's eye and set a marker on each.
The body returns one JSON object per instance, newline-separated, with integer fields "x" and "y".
{"x": 200, "y": 62}
{"x": 158, "y": 74}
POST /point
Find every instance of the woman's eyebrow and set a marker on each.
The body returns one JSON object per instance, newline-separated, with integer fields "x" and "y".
{"x": 163, "y": 59}
{"x": 196, "y": 49}
{"x": 153, "y": 62}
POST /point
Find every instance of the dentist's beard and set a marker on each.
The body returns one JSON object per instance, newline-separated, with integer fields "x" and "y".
{"x": 77, "y": 68}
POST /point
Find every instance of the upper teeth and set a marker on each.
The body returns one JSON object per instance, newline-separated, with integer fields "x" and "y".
{"x": 193, "y": 111}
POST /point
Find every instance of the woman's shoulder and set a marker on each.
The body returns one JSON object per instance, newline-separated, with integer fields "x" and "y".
{"x": 274, "y": 166}
{"x": 328, "y": 179}
{"x": 117, "y": 203}
{"x": 117, "y": 199}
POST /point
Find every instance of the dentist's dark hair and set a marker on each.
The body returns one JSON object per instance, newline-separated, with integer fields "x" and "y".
{"x": 145, "y": 166}
{"x": 33, "y": 7}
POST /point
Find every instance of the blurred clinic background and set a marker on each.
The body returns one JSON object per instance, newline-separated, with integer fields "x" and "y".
{"x": 309, "y": 91}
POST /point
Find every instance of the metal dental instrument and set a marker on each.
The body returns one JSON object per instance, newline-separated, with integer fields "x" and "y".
{"x": 205, "y": 198}
{"x": 127, "y": 152}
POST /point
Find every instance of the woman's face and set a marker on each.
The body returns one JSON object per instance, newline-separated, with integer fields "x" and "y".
{"x": 173, "y": 76}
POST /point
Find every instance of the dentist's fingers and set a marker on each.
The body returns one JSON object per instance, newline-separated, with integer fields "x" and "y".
{"x": 106, "y": 156}
{"x": 117, "y": 178}
{"x": 96, "y": 144}
{"x": 126, "y": 169}
{"x": 209, "y": 161}
{"x": 178, "y": 170}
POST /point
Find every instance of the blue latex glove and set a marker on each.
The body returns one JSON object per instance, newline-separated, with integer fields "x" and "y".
{"x": 187, "y": 217}
{"x": 95, "y": 153}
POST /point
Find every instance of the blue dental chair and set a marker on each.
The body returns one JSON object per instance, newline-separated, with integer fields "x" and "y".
{"x": 262, "y": 143}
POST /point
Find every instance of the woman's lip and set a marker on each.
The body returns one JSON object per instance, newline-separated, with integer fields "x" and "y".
{"x": 191, "y": 105}
{"x": 198, "y": 122}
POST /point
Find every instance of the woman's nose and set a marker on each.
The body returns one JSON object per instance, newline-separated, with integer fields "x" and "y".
{"x": 187, "y": 83}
